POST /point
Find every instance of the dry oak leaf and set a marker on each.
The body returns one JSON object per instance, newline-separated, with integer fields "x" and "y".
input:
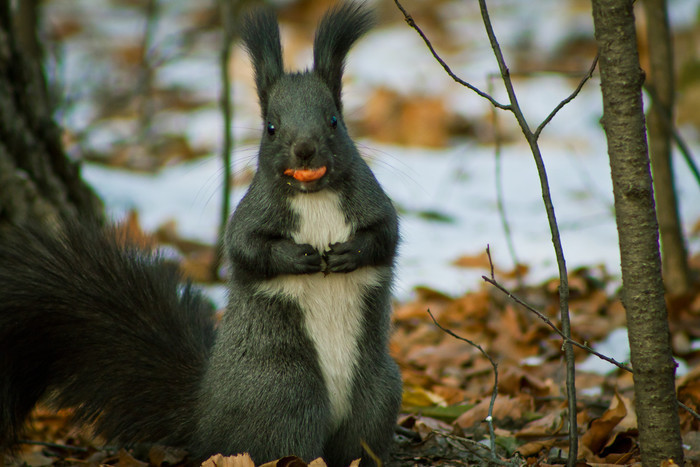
{"x": 602, "y": 431}
{"x": 535, "y": 447}
{"x": 240, "y": 460}
{"x": 542, "y": 432}
{"x": 550, "y": 425}
{"x": 127, "y": 460}
{"x": 513, "y": 379}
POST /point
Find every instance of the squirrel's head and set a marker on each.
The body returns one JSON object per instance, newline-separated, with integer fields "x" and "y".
{"x": 304, "y": 144}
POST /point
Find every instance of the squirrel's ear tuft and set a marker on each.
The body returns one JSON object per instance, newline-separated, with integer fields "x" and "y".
{"x": 337, "y": 32}
{"x": 261, "y": 38}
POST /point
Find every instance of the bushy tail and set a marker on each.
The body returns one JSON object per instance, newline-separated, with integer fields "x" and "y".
{"x": 97, "y": 324}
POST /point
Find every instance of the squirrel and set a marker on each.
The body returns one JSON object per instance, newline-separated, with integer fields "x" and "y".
{"x": 298, "y": 364}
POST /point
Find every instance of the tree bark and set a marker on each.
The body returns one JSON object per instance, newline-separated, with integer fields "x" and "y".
{"x": 673, "y": 251}
{"x": 643, "y": 292}
{"x": 37, "y": 180}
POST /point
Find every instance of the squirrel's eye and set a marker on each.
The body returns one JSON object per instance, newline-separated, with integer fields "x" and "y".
{"x": 334, "y": 121}
{"x": 270, "y": 129}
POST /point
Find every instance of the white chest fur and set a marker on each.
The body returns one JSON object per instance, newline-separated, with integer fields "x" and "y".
{"x": 332, "y": 304}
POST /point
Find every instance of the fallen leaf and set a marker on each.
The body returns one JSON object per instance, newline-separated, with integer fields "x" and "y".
{"x": 511, "y": 407}
{"x": 551, "y": 424}
{"x": 601, "y": 429}
{"x": 127, "y": 460}
{"x": 240, "y": 460}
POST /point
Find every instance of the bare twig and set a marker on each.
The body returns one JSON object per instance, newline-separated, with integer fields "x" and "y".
{"x": 687, "y": 155}
{"x": 571, "y": 97}
{"x": 689, "y": 410}
{"x": 448, "y": 70}
{"x": 494, "y": 393}
{"x": 492, "y": 280}
{"x": 553, "y": 227}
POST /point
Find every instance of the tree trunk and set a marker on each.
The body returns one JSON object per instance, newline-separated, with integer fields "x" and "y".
{"x": 643, "y": 292}
{"x": 37, "y": 180}
{"x": 673, "y": 252}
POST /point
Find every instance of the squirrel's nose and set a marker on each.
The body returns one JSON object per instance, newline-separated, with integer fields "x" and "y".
{"x": 304, "y": 150}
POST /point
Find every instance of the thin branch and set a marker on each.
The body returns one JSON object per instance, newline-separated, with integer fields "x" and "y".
{"x": 492, "y": 280}
{"x": 448, "y": 70}
{"x": 553, "y": 227}
{"x": 503, "y": 68}
{"x": 571, "y": 97}
{"x": 687, "y": 155}
{"x": 494, "y": 392}
{"x": 689, "y": 410}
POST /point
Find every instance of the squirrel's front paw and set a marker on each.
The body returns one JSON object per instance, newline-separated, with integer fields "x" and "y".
{"x": 341, "y": 257}
{"x": 294, "y": 258}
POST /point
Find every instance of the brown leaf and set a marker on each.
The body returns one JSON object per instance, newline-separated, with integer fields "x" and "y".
{"x": 512, "y": 407}
{"x": 513, "y": 379}
{"x": 534, "y": 447}
{"x": 414, "y": 120}
{"x": 549, "y": 425}
{"x": 601, "y": 429}
{"x": 127, "y": 460}
{"x": 318, "y": 463}
{"x": 240, "y": 460}
{"x": 424, "y": 426}
{"x": 480, "y": 261}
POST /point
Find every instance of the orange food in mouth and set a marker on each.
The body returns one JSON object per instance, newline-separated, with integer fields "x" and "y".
{"x": 306, "y": 175}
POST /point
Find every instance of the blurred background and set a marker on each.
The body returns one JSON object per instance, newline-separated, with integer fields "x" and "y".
{"x": 137, "y": 87}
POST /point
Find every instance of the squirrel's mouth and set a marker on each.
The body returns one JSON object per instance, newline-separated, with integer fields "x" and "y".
{"x": 306, "y": 175}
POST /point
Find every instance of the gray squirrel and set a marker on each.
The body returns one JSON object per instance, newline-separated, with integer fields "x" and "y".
{"x": 299, "y": 363}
